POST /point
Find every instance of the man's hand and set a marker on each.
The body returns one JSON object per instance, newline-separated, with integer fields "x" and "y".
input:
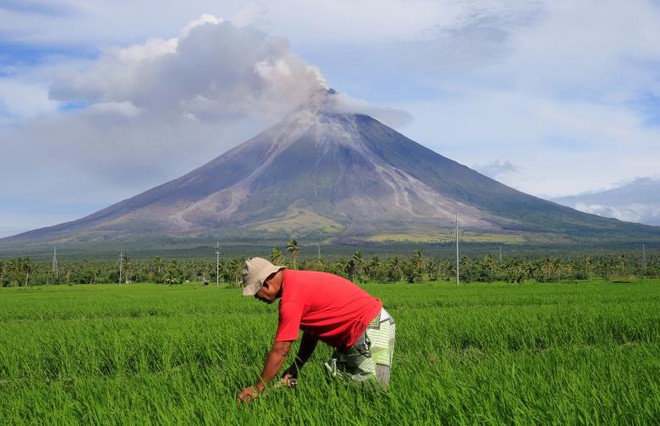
{"x": 289, "y": 378}
{"x": 290, "y": 373}
{"x": 248, "y": 394}
{"x": 274, "y": 361}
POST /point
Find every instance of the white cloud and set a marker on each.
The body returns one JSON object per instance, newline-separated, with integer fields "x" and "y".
{"x": 327, "y": 22}
{"x": 636, "y": 200}
{"x": 496, "y": 168}
{"x": 559, "y": 146}
{"x": 20, "y": 100}
{"x": 205, "y": 19}
{"x": 251, "y": 14}
{"x": 125, "y": 109}
{"x": 639, "y": 213}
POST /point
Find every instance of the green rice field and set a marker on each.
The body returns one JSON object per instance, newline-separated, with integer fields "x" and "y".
{"x": 585, "y": 353}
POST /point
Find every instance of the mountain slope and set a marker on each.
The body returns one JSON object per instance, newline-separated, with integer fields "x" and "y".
{"x": 325, "y": 172}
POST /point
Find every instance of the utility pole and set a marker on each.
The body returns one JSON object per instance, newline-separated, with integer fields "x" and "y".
{"x": 217, "y": 264}
{"x": 55, "y": 268}
{"x": 121, "y": 263}
{"x": 643, "y": 256}
{"x": 318, "y": 246}
{"x": 458, "y": 259}
{"x": 500, "y": 254}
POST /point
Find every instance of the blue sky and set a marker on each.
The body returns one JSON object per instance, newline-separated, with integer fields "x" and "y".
{"x": 101, "y": 100}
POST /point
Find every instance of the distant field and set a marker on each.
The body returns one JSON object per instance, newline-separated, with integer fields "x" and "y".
{"x": 444, "y": 236}
{"x": 584, "y": 353}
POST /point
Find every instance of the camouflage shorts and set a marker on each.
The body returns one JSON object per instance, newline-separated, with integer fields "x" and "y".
{"x": 371, "y": 355}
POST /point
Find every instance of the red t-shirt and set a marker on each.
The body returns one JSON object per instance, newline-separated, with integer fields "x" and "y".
{"x": 325, "y": 306}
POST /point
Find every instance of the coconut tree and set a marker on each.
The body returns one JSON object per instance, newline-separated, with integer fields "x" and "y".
{"x": 276, "y": 256}
{"x": 293, "y": 248}
{"x": 357, "y": 265}
{"x": 374, "y": 269}
{"x": 22, "y": 267}
{"x": 418, "y": 264}
{"x": 395, "y": 269}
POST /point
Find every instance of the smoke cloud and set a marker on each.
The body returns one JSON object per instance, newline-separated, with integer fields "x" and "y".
{"x": 212, "y": 71}
{"x": 341, "y": 102}
{"x": 140, "y": 115}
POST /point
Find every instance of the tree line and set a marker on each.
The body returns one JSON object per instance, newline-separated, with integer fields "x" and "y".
{"x": 413, "y": 268}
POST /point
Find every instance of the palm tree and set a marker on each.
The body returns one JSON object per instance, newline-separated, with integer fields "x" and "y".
{"x": 487, "y": 268}
{"x": 127, "y": 269}
{"x": 293, "y": 248}
{"x": 374, "y": 268}
{"x": 27, "y": 266}
{"x": 235, "y": 270}
{"x": 395, "y": 272}
{"x": 622, "y": 261}
{"x": 418, "y": 267}
{"x": 276, "y": 256}
{"x": 173, "y": 273}
{"x": 157, "y": 266}
{"x": 357, "y": 262}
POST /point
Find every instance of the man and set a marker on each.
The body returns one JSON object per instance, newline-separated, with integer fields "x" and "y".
{"x": 325, "y": 307}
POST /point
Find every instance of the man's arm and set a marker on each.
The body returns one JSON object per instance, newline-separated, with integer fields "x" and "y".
{"x": 276, "y": 356}
{"x": 306, "y": 349}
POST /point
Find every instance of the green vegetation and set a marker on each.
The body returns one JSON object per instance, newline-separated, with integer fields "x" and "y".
{"x": 497, "y": 353}
{"x": 417, "y": 267}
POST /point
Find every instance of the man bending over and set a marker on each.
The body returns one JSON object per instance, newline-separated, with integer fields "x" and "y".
{"x": 325, "y": 307}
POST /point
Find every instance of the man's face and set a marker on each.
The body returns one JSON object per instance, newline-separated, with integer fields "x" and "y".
{"x": 267, "y": 293}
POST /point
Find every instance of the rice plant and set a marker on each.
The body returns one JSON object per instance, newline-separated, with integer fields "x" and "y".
{"x": 482, "y": 353}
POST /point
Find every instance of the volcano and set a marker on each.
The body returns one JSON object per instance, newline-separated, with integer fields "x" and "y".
{"x": 324, "y": 172}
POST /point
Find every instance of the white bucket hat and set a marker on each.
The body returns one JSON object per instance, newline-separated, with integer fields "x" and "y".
{"x": 256, "y": 271}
